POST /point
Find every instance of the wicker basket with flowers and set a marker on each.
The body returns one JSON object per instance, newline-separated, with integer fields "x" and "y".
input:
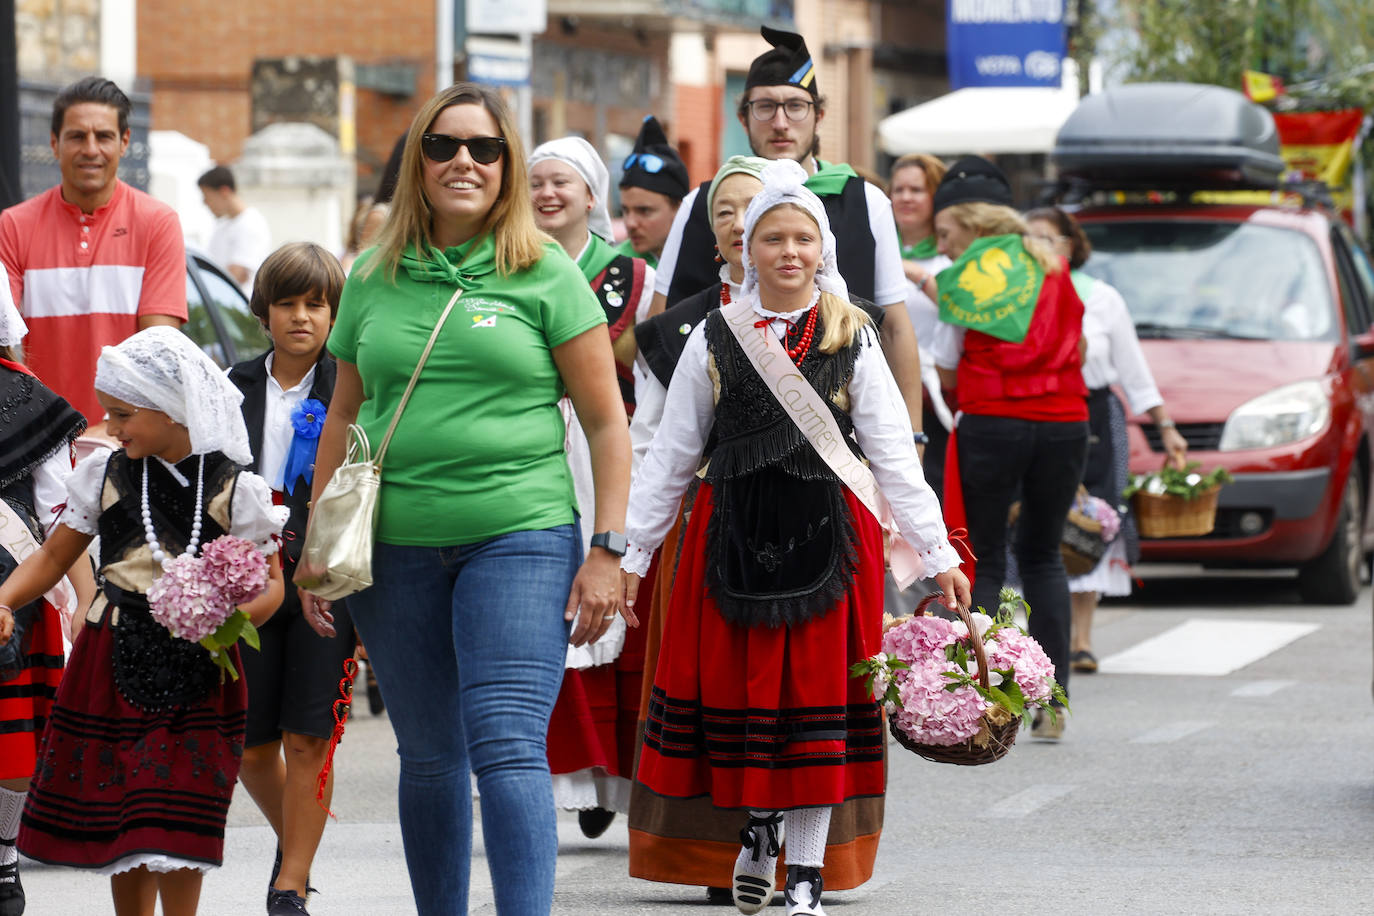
{"x": 957, "y": 691}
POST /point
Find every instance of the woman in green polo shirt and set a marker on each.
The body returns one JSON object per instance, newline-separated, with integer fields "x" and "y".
{"x": 479, "y": 583}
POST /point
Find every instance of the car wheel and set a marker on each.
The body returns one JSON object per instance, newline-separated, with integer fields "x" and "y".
{"x": 1334, "y": 576}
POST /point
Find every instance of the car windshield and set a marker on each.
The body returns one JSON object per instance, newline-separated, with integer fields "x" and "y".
{"x": 1202, "y": 279}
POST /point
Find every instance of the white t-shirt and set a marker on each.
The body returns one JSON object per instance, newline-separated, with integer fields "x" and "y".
{"x": 244, "y": 240}
{"x": 889, "y": 280}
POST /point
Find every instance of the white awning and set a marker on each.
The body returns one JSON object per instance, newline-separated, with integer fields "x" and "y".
{"x": 980, "y": 120}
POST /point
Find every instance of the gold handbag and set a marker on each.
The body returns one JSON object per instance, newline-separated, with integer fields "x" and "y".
{"x": 336, "y": 559}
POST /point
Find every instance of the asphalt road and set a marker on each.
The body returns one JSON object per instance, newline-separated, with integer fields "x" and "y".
{"x": 1226, "y": 793}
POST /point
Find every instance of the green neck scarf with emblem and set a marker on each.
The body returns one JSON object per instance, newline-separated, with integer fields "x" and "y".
{"x": 992, "y": 288}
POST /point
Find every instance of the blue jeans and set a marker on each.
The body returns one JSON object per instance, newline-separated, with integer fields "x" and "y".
{"x": 468, "y": 645}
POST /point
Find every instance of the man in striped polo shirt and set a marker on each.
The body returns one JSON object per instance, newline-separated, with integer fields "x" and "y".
{"x": 93, "y": 260}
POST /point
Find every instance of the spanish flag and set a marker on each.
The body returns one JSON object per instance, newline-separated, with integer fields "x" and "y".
{"x": 1261, "y": 87}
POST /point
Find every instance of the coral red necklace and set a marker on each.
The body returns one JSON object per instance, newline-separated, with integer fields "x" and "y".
{"x": 803, "y": 345}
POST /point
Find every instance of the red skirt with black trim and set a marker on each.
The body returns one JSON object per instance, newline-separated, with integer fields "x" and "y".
{"x": 114, "y": 781}
{"x": 26, "y": 699}
{"x": 759, "y": 717}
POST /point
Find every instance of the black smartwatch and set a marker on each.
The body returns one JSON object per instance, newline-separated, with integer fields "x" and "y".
{"x": 612, "y": 541}
{"x": 920, "y": 438}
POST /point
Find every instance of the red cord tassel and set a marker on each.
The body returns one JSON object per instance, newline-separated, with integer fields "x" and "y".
{"x": 341, "y": 707}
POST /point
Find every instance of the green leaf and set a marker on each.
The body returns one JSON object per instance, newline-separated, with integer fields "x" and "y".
{"x": 250, "y": 633}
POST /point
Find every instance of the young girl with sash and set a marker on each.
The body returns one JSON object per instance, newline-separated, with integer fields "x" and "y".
{"x": 592, "y": 730}
{"x": 778, "y": 588}
{"x": 139, "y": 759}
{"x": 1011, "y": 345}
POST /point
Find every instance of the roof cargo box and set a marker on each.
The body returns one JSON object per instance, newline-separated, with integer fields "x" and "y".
{"x": 1175, "y": 135}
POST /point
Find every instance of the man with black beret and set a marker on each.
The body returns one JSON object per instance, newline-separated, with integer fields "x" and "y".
{"x": 781, "y": 109}
{"x": 651, "y": 188}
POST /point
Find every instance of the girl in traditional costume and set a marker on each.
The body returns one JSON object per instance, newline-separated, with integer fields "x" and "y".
{"x": 35, "y": 461}
{"x": 138, "y": 763}
{"x": 779, "y": 585}
{"x": 592, "y": 733}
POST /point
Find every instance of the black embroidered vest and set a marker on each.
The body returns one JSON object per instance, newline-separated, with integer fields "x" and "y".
{"x": 782, "y": 539}
{"x": 153, "y": 669}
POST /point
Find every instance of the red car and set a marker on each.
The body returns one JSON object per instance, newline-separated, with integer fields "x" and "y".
{"x": 1257, "y": 320}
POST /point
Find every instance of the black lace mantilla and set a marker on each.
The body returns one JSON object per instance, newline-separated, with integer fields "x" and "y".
{"x": 153, "y": 669}
{"x": 784, "y": 542}
{"x": 35, "y": 424}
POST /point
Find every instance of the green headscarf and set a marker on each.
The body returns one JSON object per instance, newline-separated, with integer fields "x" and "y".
{"x": 735, "y": 165}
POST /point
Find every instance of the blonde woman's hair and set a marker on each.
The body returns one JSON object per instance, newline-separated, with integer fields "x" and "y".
{"x": 842, "y": 320}
{"x": 984, "y": 219}
{"x": 519, "y": 243}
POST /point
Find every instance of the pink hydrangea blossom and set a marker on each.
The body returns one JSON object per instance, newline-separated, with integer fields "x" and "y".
{"x": 235, "y": 567}
{"x": 184, "y": 602}
{"x": 928, "y": 711}
{"x": 1032, "y": 669}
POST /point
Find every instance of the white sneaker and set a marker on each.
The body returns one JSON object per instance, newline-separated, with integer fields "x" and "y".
{"x": 756, "y": 868}
{"x": 803, "y": 892}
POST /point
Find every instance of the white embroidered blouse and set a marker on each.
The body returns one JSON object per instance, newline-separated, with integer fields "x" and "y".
{"x": 881, "y": 425}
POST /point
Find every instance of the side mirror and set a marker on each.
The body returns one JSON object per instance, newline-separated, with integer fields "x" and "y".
{"x": 1364, "y": 343}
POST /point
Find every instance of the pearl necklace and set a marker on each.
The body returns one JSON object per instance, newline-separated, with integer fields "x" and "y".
{"x": 159, "y": 556}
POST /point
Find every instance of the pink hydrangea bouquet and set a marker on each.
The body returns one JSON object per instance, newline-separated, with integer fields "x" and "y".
{"x": 926, "y": 676}
{"x": 197, "y": 598}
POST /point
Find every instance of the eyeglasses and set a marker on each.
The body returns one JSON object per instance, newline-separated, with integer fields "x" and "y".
{"x": 442, "y": 147}
{"x": 646, "y": 161}
{"x": 766, "y": 109}
{"x": 1049, "y": 239}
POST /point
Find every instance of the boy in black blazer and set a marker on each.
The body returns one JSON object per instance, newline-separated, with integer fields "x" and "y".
{"x": 294, "y": 678}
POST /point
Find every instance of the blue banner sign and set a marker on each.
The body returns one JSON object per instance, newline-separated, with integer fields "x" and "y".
{"x": 1004, "y": 42}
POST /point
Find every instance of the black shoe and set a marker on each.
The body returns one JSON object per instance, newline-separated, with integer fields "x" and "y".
{"x": 1083, "y": 661}
{"x": 374, "y": 693}
{"x": 720, "y": 896}
{"x": 803, "y": 902}
{"x": 11, "y": 890}
{"x": 276, "y": 870}
{"x": 594, "y": 821}
{"x": 285, "y": 903}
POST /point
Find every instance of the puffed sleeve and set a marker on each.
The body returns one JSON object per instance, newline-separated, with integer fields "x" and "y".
{"x": 83, "y": 493}
{"x": 253, "y": 517}
{"x": 50, "y": 487}
{"x": 673, "y": 457}
{"x": 883, "y": 428}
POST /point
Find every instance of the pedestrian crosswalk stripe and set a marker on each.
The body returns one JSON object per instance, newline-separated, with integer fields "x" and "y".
{"x": 1261, "y": 688}
{"x": 1027, "y": 801}
{"x": 1167, "y": 734}
{"x": 1206, "y": 647}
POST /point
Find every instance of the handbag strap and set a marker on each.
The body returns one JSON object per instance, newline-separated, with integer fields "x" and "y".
{"x": 414, "y": 377}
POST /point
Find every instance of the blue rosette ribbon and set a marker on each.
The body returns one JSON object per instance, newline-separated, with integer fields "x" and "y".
{"x": 307, "y": 420}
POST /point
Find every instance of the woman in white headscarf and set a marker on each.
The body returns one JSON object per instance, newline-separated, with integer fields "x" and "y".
{"x": 591, "y": 746}
{"x": 145, "y": 734}
{"x": 780, "y": 575}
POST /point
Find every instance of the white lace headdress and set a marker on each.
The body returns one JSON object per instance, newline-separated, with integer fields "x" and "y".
{"x": 784, "y": 182}
{"x": 12, "y": 326}
{"x": 582, "y": 156}
{"x": 161, "y": 368}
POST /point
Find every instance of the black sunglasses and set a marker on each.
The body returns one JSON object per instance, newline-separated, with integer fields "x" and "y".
{"x": 442, "y": 147}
